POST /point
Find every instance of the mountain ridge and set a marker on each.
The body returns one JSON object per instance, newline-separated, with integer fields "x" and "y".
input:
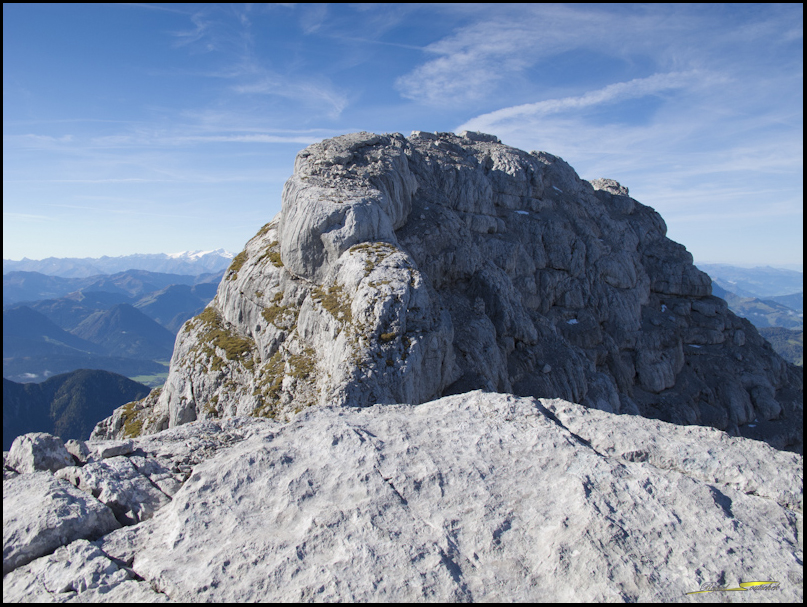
{"x": 400, "y": 270}
{"x": 186, "y": 262}
{"x": 35, "y": 348}
{"x": 761, "y": 281}
{"x": 20, "y": 287}
{"x": 127, "y": 331}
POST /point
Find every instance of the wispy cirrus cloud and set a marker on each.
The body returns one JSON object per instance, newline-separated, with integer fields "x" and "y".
{"x": 510, "y": 49}
{"x": 33, "y": 140}
{"x": 229, "y": 32}
{"x": 309, "y": 92}
{"x": 203, "y": 130}
{"x": 154, "y": 7}
{"x": 12, "y": 216}
{"x": 471, "y": 63}
{"x": 613, "y": 93}
{"x": 202, "y": 30}
{"x": 697, "y": 108}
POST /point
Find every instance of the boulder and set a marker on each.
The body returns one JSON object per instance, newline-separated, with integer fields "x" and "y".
{"x": 116, "y": 482}
{"x": 38, "y": 451}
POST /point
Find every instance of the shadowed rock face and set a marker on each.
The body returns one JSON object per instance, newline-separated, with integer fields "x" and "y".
{"x": 403, "y": 269}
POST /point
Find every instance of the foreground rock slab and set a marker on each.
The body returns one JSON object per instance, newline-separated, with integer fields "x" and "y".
{"x": 77, "y": 570}
{"x": 42, "y": 513}
{"x": 474, "y": 497}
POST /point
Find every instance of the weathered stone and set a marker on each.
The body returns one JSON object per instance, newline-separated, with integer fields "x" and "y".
{"x": 162, "y": 473}
{"x": 77, "y": 570}
{"x": 611, "y": 186}
{"x": 474, "y": 497}
{"x": 116, "y": 482}
{"x": 109, "y": 449}
{"x": 8, "y": 471}
{"x": 702, "y": 453}
{"x": 41, "y": 513}
{"x": 78, "y": 449}
{"x": 38, "y": 451}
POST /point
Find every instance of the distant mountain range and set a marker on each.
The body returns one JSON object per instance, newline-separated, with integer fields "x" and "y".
{"x": 124, "y": 323}
{"x": 126, "y": 331}
{"x": 187, "y": 262}
{"x": 34, "y": 286}
{"x": 760, "y": 282}
{"x": 762, "y": 313}
{"x": 78, "y": 326}
{"x": 788, "y": 343}
{"x": 771, "y": 298}
{"x": 68, "y": 405}
{"x": 34, "y": 349}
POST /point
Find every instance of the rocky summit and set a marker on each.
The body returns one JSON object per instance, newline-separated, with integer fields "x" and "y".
{"x": 449, "y": 370}
{"x": 404, "y": 269}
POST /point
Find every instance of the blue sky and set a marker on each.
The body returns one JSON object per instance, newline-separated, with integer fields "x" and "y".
{"x": 136, "y": 128}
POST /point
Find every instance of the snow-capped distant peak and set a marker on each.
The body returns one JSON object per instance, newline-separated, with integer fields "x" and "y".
{"x": 198, "y": 254}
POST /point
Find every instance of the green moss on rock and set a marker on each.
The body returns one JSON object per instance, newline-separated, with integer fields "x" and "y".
{"x": 211, "y": 408}
{"x": 238, "y": 261}
{"x": 283, "y": 317}
{"x": 273, "y": 253}
{"x": 132, "y": 419}
{"x": 334, "y": 300}
{"x": 236, "y": 347}
{"x": 376, "y": 253}
{"x": 264, "y": 229}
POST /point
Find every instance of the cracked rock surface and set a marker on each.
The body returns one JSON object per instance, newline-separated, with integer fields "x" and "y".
{"x": 472, "y": 497}
{"x": 400, "y": 270}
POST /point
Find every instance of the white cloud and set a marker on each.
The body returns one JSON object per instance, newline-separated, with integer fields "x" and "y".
{"x": 502, "y": 44}
{"x": 620, "y": 91}
{"x": 153, "y": 7}
{"x": 201, "y": 29}
{"x": 313, "y": 16}
{"x": 229, "y": 32}
{"x": 300, "y": 90}
{"x": 35, "y": 141}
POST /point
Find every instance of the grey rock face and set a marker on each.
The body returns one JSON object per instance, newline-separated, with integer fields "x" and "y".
{"x": 476, "y": 497}
{"x": 403, "y": 269}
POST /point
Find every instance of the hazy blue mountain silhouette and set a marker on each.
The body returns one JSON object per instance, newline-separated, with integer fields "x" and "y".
{"x": 126, "y": 331}
{"x": 67, "y": 405}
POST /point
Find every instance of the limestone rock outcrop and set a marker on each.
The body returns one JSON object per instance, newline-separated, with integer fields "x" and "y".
{"x": 404, "y": 269}
{"x": 473, "y": 497}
